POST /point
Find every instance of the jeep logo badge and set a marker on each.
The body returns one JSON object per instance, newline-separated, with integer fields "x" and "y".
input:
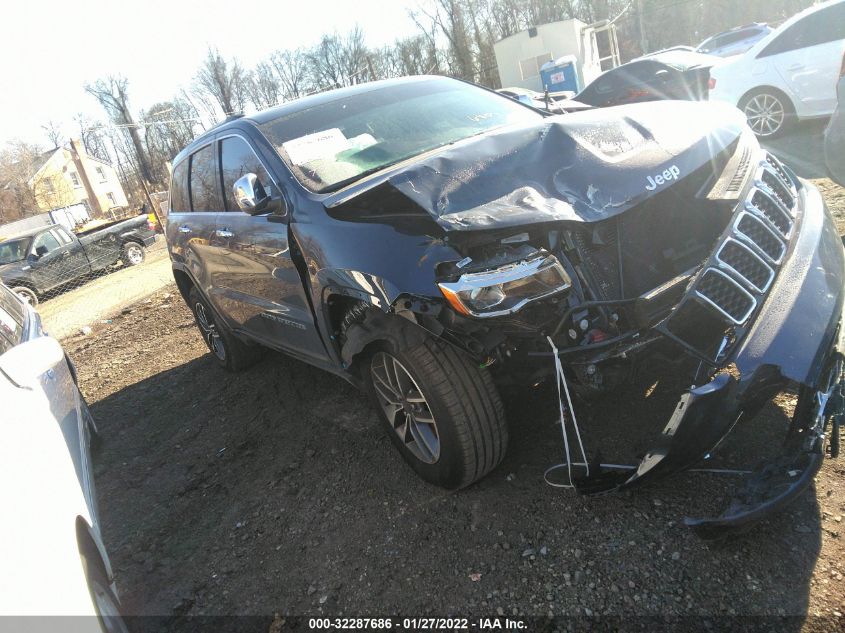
{"x": 668, "y": 174}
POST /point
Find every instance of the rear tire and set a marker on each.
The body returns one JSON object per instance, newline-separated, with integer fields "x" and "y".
{"x": 133, "y": 254}
{"x": 26, "y": 294}
{"x": 230, "y": 352}
{"x": 768, "y": 111}
{"x": 467, "y": 435}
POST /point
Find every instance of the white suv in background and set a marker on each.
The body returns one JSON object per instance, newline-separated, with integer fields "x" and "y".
{"x": 789, "y": 74}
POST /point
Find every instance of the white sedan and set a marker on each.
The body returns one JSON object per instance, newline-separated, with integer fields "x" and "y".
{"x": 789, "y": 74}
{"x": 50, "y": 541}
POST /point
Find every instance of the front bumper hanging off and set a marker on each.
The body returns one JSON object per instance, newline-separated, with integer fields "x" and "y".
{"x": 796, "y": 338}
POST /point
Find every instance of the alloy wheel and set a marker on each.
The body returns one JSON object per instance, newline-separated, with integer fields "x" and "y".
{"x": 209, "y": 332}
{"x": 765, "y": 113}
{"x": 134, "y": 254}
{"x": 405, "y": 407}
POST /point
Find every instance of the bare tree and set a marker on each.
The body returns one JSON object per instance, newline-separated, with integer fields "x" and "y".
{"x": 169, "y": 126}
{"x": 90, "y": 133}
{"x": 292, "y": 70}
{"x": 222, "y": 81}
{"x": 112, "y": 93}
{"x": 53, "y": 131}
{"x": 263, "y": 86}
{"x": 339, "y": 60}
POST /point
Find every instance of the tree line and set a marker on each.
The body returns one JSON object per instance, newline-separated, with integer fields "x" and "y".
{"x": 453, "y": 37}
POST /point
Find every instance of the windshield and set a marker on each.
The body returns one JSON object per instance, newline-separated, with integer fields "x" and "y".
{"x": 685, "y": 60}
{"x": 332, "y": 144}
{"x": 14, "y": 250}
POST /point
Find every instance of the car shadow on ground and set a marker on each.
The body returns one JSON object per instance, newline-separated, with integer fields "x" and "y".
{"x": 276, "y": 491}
{"x": 802, "y": 148}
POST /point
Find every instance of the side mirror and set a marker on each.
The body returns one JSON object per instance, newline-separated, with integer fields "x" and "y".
{"x": 250, "y": 195}
{"x": 25, "y": 363}
{"x": 40, "y": 251}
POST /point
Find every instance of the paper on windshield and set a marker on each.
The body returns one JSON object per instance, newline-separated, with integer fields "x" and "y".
{"x": 325, "y": 144}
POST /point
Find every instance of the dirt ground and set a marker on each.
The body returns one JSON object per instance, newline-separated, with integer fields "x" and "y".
{"x": 96, "y": 299}
{"x": 275, "y": 491}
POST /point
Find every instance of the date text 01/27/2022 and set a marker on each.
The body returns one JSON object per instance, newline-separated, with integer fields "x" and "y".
{"x": 417, "y": 624}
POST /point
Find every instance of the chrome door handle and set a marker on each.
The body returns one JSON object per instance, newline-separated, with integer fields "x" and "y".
{"x": 224, "y": 233}
{"x": 795, "y": 67}
{"x": 184, "y": 229}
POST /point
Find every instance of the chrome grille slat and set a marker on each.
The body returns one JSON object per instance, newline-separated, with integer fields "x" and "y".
{"x": 762, "y": 203}
{"x": 725, "y": 295}
{"x": 779, "y": 169}
{"x": 774, "y": 185}
{"x": 756, "y": 232}
{"x": 744, "y": 263}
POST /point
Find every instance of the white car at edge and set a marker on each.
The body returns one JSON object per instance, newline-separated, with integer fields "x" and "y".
{"x": 789, "y": 74}
{"x": 53, "y": 556}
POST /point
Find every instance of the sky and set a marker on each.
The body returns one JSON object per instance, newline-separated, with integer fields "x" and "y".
{"x": 50, "y": 48}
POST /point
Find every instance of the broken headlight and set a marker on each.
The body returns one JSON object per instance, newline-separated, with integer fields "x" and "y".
{"x": 506, "y": 289}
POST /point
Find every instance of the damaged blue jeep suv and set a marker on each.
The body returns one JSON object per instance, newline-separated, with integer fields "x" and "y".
{"x": 429, "y": 241}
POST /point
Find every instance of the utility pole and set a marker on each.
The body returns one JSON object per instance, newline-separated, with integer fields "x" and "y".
{"x": 641, "y": 27}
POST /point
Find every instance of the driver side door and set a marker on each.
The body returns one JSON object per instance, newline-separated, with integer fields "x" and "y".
{"x": 49, "y": 261}
{"x": 262, "y": 292}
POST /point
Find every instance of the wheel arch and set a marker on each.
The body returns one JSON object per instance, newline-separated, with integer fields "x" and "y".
{"x": 767, "y": 87}
{"x": 91, "y": 549}
{"x": 17, "y": 283}
{"x": 184, "y": 282}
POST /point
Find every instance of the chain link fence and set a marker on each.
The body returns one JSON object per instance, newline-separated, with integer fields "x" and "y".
{"x": 80, "y": 276}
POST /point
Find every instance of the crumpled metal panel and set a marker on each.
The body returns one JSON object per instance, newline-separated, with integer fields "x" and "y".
{"x": 582, "y": 167}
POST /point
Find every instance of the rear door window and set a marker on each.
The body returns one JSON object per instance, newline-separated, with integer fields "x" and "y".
{"x": 205, "y": 188}
{"x": 826, "y": 25}
{"x": 179, "y": 189}
{"x": 237, "y": 159}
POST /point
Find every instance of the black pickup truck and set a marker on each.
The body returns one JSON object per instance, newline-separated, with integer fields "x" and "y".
{"x": 44, "y": 259}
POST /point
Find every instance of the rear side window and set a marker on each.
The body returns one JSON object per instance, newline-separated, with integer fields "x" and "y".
{"x": 237, "y": 159}
{"x": 179, "y": 189}
{"x": 607, "y": 83}
{"x": 47, "y": 240}
{"x": 63, "y": 236}
{"x": 205, "y": 190}
{"x": 826, "y": 25}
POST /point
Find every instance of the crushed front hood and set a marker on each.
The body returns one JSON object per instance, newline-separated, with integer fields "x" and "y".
{"x": 584, "y": 167}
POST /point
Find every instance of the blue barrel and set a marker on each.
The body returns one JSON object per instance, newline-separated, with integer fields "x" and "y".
{"x": 560, "y": 75}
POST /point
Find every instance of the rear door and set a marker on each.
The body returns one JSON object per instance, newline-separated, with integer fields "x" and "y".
{"x": 49, "y": 261}
{"x": 195, "y": 201}
{"x": 75, "y": 261}
{"x": 806, "y": 56}
{"x": 263, "y": 292}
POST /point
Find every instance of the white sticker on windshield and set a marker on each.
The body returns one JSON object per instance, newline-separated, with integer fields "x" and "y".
{"x": 315, "y": 146}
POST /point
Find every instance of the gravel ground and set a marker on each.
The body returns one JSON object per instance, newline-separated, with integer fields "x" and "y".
{"x": 275, "y": 491}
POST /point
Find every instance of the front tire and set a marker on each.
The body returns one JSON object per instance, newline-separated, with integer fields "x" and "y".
{"x": 768, "y": 111}
{"x": 441, "y": 410}
{"x": 27, "y": 295}
{"x": 133, "y": 254}
{"x": 231, "y": 353}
